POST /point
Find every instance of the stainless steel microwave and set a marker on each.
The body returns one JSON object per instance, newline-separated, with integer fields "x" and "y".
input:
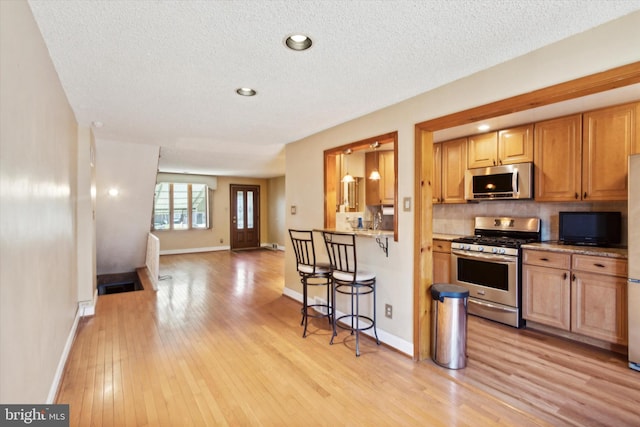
{"x": 499, "y": 182}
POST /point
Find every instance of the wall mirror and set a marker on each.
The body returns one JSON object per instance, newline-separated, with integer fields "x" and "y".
{"x": 361, "y": 181}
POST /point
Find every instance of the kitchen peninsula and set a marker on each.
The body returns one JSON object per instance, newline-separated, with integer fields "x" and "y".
{"x": 381, "y": 236}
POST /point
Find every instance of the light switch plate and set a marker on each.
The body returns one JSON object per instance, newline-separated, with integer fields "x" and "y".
{"x": 406, "y": 204}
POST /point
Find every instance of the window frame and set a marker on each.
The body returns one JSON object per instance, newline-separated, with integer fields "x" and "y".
{"x": 171, "y": 207}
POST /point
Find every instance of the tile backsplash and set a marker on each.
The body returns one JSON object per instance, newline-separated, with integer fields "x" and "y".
{"x": 458, "y": 218}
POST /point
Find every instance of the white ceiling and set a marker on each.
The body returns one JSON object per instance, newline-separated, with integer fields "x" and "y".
{"x": 165, "y": 72}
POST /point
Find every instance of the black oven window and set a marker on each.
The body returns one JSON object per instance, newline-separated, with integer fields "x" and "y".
{"x": 484, "y": 273}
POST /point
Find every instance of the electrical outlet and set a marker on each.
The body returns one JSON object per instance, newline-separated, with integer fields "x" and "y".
{"x": 221, "y": 240}
{"x": 388, "y": 311}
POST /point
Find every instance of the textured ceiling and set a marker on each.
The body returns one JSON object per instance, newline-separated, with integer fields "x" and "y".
{"x": 165, "y": 72}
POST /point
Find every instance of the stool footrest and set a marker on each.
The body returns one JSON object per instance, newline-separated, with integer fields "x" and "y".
{"x": 347, "y": 325}
{"x": 316, "y": 313}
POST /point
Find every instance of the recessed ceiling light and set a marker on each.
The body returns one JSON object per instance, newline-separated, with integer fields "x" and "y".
{"x": 482, "y": 128}
{"x": 298, "y": 42}
{"x": 245, "y": 91}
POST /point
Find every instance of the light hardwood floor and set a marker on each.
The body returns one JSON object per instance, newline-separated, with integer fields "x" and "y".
{"x": 219, "y": 345}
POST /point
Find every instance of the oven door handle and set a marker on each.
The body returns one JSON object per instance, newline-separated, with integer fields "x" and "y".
{"x": 493, "y": 307}
{"x": 486, "y": 256}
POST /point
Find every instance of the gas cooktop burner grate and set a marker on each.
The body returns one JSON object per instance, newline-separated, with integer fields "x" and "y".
{"x": 504, "y": 242}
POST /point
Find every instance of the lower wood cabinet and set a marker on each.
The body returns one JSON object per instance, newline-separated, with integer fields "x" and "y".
{"x": 583, "y": 294}
{"x": 547, "y": 296}
{"x": 599, "y": 300}
{"x": 441, "y": 261}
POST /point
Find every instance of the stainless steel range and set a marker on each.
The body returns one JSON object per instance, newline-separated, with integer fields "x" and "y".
{"x": 489, "y": 264}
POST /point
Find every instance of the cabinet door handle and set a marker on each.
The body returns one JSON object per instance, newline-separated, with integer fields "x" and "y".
{"x": 544, "y": 259}
{"x": 573, "y": 277}
{"x": 564, "y": 276}
{"x": 577, "y": 196}
{"x": 599, "y": 265}
{"x": 585, "y": 195}
{"x": 494, "y": 162}
{"x": 499, "y": 161}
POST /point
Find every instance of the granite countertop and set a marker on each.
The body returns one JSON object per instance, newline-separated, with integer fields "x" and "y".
{"x": 448, "y": 237}
{"x": 554, "y": 246}
{"x": 363, "y": 232}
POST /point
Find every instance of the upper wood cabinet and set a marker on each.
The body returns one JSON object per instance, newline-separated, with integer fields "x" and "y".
{"x": 584, "y": 157}
{"x": 436, "y": 178}
{"x": 505, "y": 147}
{"x": 609, "y": 137}
{"x": 483, "y": 150}
{"x": 387, "y": 177}
{"x": 454, "y": 164}
{"x": 380, "y": 192}
{"x": 515, "y": 145}
{"x": 557, "y": 159}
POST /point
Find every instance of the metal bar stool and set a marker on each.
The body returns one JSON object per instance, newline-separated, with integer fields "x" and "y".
{"x": 348, "y": 280}
{"x": 311, "y": 273}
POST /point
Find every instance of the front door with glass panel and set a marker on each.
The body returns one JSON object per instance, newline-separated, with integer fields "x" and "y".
{"x": 245, "y": 216}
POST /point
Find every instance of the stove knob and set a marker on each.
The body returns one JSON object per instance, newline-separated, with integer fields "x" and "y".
{"x": 502, "y": 251}
{"x": 467, "y": 248}
{"x": 480, "y": 249}
{"x": 494, "y": 250}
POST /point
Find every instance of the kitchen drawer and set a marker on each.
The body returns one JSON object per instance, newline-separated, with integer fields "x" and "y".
{"x": 547, "y": 259}
{"x": 442, "y": 246}
{"x": 598, "y": 264}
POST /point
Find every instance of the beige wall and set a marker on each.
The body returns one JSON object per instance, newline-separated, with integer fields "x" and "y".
{"x": 86, "y": 217}
{"x": 217, "y": 237}
{"x": 276, "y": 232}
{"x": 123, "y": 222}
{"x": 602, "y": 48}
{"x": 38, "y": 166}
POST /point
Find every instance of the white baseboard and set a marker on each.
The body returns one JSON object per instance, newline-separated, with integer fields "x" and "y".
{"x": 57, "y": 378}
{"x": 194, "y": 250}
{"x": 391, "y": 340}
{"x": 274, "y": 246}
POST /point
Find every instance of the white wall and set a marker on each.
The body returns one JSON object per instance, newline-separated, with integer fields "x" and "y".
{"x": 603, "y": 48}
{"x": 123, "y": 221}
{"x": 38, "y": 286}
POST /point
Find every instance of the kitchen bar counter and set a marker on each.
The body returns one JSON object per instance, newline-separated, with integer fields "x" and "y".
{"x": 381, "y": 236}
{"x": 554, "y": 246}
{"x": 362, "y": 232}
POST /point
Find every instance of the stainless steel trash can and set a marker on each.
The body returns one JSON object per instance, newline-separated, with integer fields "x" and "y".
{"x": 449, "y": 325}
